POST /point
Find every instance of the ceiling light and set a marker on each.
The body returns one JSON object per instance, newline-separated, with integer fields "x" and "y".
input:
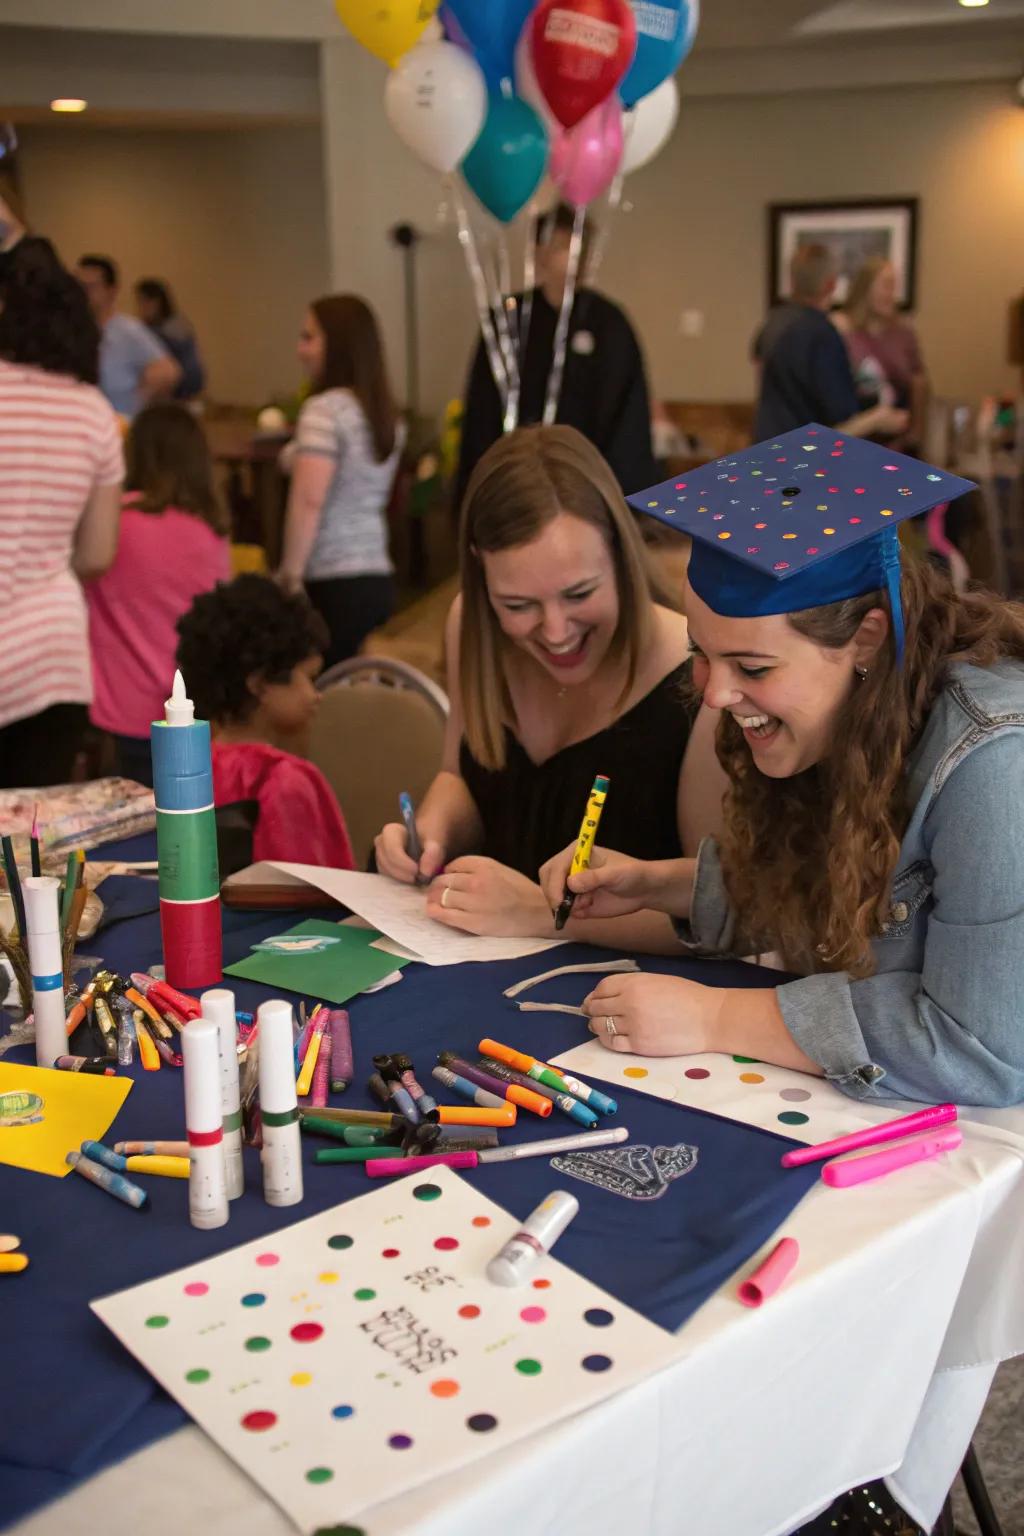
{"x": 76, "y": 104}
{"x": 970, "y": 5}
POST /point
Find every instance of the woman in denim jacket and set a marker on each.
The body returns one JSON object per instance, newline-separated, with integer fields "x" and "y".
{"x": 874, "y": 830}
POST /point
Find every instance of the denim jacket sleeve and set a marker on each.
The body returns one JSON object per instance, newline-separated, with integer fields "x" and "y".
{"x": 950, "y": 1027}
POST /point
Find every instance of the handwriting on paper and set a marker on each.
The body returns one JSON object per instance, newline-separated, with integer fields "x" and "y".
{"x": 400, "y": 1334}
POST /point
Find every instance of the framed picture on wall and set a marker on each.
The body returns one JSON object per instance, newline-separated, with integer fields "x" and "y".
{"x": 855, "y": 231}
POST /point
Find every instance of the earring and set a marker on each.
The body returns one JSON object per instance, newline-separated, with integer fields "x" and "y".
{"x": 861, "y": 672}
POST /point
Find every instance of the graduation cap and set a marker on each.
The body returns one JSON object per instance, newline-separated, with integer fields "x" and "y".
{"x": 804, "y": 519}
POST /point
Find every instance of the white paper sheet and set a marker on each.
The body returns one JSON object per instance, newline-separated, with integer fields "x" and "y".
{"x": 400, "y": 912}
{"x": 364, "y": 1351}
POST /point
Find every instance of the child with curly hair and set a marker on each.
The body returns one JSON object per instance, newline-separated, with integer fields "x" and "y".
{"x": 250, "y": 654}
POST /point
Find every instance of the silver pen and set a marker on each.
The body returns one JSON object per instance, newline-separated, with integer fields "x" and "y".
{"x": 584, "y": 1142}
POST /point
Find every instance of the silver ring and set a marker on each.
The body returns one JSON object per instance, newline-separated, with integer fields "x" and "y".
{"x": 609, "y": 1025}
{"x": 444, "y": 895}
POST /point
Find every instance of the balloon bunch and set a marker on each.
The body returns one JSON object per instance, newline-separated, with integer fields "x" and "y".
{"x": 580, "y": 90}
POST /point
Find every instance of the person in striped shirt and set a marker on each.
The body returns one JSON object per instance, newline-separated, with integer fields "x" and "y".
{"x": 61, "y": 468}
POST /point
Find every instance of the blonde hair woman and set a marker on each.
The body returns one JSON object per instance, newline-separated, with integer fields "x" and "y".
{"x": 561, "y": 666}
{"x": 884, "y": 352}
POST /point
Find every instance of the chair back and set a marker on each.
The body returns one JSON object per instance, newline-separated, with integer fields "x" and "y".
{"x": 379, "y": 730}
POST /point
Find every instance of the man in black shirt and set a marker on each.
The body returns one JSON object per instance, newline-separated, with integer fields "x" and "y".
{"x": 604, "y": 390}
{"x": 805, "y": 371}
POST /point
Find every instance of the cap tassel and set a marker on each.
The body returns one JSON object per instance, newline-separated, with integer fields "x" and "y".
{"x": 893, "y": 571}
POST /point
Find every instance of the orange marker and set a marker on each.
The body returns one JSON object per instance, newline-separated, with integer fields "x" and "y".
{"x": 147, "y": 1050}
{"x": 468, "y": 1114}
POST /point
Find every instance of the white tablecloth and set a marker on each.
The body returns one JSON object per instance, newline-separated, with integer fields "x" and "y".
{"x": 875, "y": 1357}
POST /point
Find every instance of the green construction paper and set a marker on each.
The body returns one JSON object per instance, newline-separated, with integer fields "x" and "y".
{"x": 342, "y": 970}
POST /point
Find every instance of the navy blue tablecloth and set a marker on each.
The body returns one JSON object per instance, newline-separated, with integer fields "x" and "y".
{"x": 81, "y": 1401}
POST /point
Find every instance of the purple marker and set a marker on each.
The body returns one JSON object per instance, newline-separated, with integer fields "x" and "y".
{"x": 341, "y": 1050}
{"x": 322, "y": 1070}
{"x": 468, "y": 1090}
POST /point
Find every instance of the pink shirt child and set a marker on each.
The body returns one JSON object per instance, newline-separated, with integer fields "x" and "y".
{"x": 164, "y": 560}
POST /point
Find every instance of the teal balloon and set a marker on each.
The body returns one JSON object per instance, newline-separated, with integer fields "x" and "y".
{"x": 507, "y": 163}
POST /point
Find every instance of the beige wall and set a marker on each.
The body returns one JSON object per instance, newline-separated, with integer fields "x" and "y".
{"x": 232, "y": 219}
{"x": 696, "y": 237}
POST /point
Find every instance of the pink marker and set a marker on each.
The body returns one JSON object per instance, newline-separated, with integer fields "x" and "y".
{"x": 858, "y": 1170}
{"x": 920, "y": 1120}
{"x": 394, "y": 1167}
{"x": 772, "y": 1274}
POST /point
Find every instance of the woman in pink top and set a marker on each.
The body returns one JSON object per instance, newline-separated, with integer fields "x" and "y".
{"x": 884, "y": 352}
{"x": 60, "y": 488}
{"x": 173, "y": 547}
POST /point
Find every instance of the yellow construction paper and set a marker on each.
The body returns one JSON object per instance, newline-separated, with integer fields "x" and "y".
{"x": 44, "y": 1114}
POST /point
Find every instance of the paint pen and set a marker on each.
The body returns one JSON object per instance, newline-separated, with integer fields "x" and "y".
{"x": 592, "y": 1097}
{"x": 447, "y": 1138}
{"x": 540, "y": 1072}
{"x": 107, "y": 1025}
{"x": 584, "y": 847}
{"x": 281, "y": 1153}
{"x": 42, "y": 919}
{"x": 846, "y": 1172}
{"x": 105, "y": 1178}
{"x": 207, "y": 1184}
{"x": 584, "y": 1142}
{"x": 471, "y": 1114}
{"x": 153, "y": 1148}
{"x": 399, "y": 1095}
{"x": 341, "y": 1050}
{"x": 351, "y": 1135}
{"x": 461, "y": 1085}
{"x": 525, "y": 1098}
{"x": 322, "y": 1071}
{"x": 376, "y": 1117}
{"x": 148, "y": 1053}
{"x": 351, "y": 1154}
{"x": 218, "y": 1005}
{"x": 426, "y": 1105}
{"x": 396, "y": 1167}
{"x": 413, "y": 845}
{"x": 536, "y": 1237}
{"x": 562, "y": 1101}
{"x": 172, "y": 1058}
{"x": 94, "y": 1066}
{"x": 161, "y": 994}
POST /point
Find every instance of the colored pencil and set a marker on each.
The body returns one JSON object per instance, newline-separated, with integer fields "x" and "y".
{"x": 37, "y": 867}
{"x": 14, "y": 886}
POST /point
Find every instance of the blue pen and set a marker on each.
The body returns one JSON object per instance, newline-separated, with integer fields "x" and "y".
{"x": 412, "y": 838}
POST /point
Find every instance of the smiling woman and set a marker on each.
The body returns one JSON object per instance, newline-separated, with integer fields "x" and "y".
{"x": 562, "y": 665}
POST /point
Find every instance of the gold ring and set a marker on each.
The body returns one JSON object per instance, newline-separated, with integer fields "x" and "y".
{"x": 444, "y": 895}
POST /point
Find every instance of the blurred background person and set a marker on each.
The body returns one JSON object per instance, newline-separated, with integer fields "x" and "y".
{"x": 885, "y": 355}
{"x": 156, "y": 308}
{"x": 135, "y": 368}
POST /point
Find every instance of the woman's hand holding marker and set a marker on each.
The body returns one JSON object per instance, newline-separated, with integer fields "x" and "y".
{"x": 615, "y": 884}
{"x": 391, "y": 847}
{"x": 480, "y": 895}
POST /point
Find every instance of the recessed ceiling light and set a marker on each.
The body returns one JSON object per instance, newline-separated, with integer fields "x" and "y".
{"x": 970, "y": 5}
{"x": 76, "y": 104}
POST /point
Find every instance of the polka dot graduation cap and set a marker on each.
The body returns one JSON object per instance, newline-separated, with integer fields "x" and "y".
{"x": 802, "y": 520}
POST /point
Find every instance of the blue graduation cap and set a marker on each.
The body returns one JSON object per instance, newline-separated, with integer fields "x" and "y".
{"x": 807, "y": 518}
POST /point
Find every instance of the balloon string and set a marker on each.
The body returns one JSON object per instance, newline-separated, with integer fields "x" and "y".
{"x": 483, "y": 308}
{"x": 562, "y": 329}
{"x": 597, "y": 255}
{"x": 529, "y": 281}
{"x": 504, "y": 304}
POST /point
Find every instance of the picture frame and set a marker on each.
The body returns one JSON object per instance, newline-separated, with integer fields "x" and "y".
{"x": 855, "y": 230}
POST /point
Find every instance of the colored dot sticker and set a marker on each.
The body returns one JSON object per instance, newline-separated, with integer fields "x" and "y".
{"x": 400, "y": 1442}
{"x": 482, "y": 1423}
{"x": 793, "y": 1117}
{"x": 596, "y": 1363}
{"x": 267, "y": 1260}
{"x": 257, "y": 1344}
{"x": 930, "y": 477}
{"x": 751, "y": 1077}
{"x": 261, "y": 1419}
{"x": 542, "y": 1285}
{"x": 469, "y": 1311}
{"x": 342, "y": 1411}
{"x": 533, "y": 1314}
{"x": 365, "y": 1294}
{"x": 759, "y": 526}
{"x": 833, "y": 490}
{"x": 300, "y": 1379}
{"x": 157, "y": 1321}
{"x": 823, "y": 507}
{"x": 446, "y": 1244}
{"x": 196, "y": 1288}
{"x": 427, "y": 1192}
{"x": 634, "y": 1072}
{"x": 885, "y": 512}
{"x": 746, "y": 1061}
{"x": 859, "y": 490}
{"x": 652, "y": 503}
{"x": 725, "y": 535}
{"x": 481, "y": 1221}
{"x": 529, "y": 1367}
{"x": 829, "y": 531}
{"x": 306, "y": 1333}
{"x": 253, "y": 1299}
{"x": 854, "y": 520}
{"x": 196, "y": 1377}
{"x": 339, "y": 1242}
{"x": 445, "y": 1388}
{"x": 789, "y": 535}
{"x": 598, "y": 1317}
{"x": 328, "y": 1277}
{"x": 319, "y": 1475}
{"x": 894, "y": 469}
{"x": 697, "y": 1073}
{"x": 794, "y": 1095}
{"x": 753, "y": 549}
{"x": 390, "y": 1253}
{"x": 781, "y": 565}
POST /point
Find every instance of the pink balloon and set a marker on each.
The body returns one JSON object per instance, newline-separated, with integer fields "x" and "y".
{"x": 584, "y": 159}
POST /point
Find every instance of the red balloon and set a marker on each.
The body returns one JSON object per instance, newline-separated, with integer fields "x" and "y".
{"x": 581, "y": 50}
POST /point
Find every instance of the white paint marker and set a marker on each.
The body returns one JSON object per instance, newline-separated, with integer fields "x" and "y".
{"x": 42, "y": 919}
{"x": 219, "y": 1005}
{"x": 538, "y": 1234}
{"x": 207, "y": 1184}
{"x": 281, "y": 1155}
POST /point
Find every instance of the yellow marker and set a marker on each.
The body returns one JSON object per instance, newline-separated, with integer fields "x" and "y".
{"x": 166, "y": 1167}
{"x": 13, "y": 1263}
{"x": 584, "y": 846}
{"x": 147, "y": 1050}
{"x": 304, "y": 1081}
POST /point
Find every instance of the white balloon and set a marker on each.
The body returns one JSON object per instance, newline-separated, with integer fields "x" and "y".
{"x": 436, "y": 101}
{"x": 649, "y": 125}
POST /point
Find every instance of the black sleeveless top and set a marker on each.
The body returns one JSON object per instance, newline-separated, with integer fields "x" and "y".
{"x": 530, "y": 811}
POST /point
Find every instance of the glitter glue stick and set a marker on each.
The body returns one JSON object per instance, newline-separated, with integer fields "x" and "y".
{"x": 563, "y": 1101}
{"x": 525, "y": 1098}
{"x": 105, "y": 1178}
{"x": 304, "y": 1081}
{"x": 186, "y": 837}
{"x": 281, "y": 1153}
{"x": 219, "y": 1006}
{"x": 341, "y": 1050}
{"x": 42, "y": 920}
{"x": 207, "y": 1183}
{"x": 538, "y": 1234}
{"x": 322, "y": 1071}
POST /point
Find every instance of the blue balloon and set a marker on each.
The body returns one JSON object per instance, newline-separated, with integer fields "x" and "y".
{"x": 492, "y": 28}
{"x": 665, "y": 33}
{"x": 507, "y": 163}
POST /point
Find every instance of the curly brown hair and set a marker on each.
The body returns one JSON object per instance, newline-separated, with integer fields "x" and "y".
{"x": 808, "y": 860}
